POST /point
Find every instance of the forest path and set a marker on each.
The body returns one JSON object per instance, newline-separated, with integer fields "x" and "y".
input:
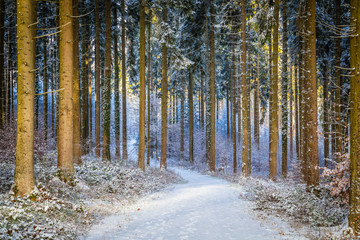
{"x": 203, "y": 207}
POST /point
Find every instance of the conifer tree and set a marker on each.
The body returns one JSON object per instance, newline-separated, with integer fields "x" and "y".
{"x": 107, "y": 85}
{"x": 65, "y": 142}
{"x": 24, "y": 165}
{"x": 141, "y": 156}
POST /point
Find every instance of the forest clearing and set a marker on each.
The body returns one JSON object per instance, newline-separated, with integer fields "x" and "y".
{"x": 179, "y": 119}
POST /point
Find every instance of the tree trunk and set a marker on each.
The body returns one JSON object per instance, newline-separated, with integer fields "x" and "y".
{"x": 123, "y": 92}
{"x": 284, "y": 97}
{"x": 182, "y": 125}
{"x": 354, "y": 193}
{"x": 338, "y": 87}
{"x": 97, "y": 80}
{"x": 326, "y": 114}
{"x": 2, "y": 65}
{"x": 76, "y": 88}
{"x": 45, "y": 89}
{"x": 233, "y": 104}
{"x": 212, "y": 88}
{"x": 24, "y": 165}
{"x": 149, "y": 87}
{"x": 245, "y": 104}
{"x": 273, "y": 138}
{"x": 107, "y": 85}
{"x": 207, "y": 88}
{"x": 85, "y": 85}
{"x": 291, "y": 113}
{"x": 65, "y": 142}
{"x": 310, "y": 101}
{"x": 202, "y": 117}
{"x": 164, "y": 98}
{"x": 141, "y": 160}
{"x": 191, "y": 119}
{"x": 256, "y": 106}
{"x": 297, "y": 114}
{"x": 116, "y": 89}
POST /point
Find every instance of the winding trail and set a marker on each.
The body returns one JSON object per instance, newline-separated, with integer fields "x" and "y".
{"x": 204, "y": 207}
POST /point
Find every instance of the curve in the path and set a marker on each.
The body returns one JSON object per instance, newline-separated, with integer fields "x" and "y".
{"x": 202, "y": 208}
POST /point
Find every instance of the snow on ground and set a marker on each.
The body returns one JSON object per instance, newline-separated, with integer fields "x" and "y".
{"x": 203, "y": 207}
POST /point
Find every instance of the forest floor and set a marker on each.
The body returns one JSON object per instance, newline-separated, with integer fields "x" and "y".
{"x": 56, "y": 210}
{"x": 201, "y": 207}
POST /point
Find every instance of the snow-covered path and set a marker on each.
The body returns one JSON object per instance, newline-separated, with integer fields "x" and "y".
{"x": 204, "y": 207}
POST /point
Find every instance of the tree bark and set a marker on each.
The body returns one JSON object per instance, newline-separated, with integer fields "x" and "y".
{"x": 65, "y": 142}
{"x": 45, "y": 89}
{"x": 256, "y": 105}
{"x": 85, "y": 85}
{"x": 338, "y": 87}
{"x": 117, "y": 86}
{"x": 326, "y": 114}
{"x": 24, "y": 165}
{"x": 149, "y": 88}
{"x": 274, "y": 98}
{"x": 191, "y": 119}
{"x": 202, "y": 117}
{"x": 141, "y": 160}
{"x": 107, "y": 91}
{"x": 212, "y": 88}
{"x": 354, "y": 193}
{"x": 123, "y": 92}
{"x": 182, "y": 125}
{"x": 76, "y": 87}
{"x": 284, "y": 97}
{"x": 245, "y": 104}
{"x": 2, "y": 65}
{"x": 164, "y": 98}
{"x": 233, "y": 104}
{"x": 97, "y": 80}
{"x": 310, "y": 101}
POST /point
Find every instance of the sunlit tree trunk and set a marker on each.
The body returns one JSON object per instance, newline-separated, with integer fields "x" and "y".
{"x": 245, "y": 104}
{"x": 284, "y": 97}
{"x": 164, "y": 98}
{"x": 354, "y": 203}
{"x": 310, "y": 95}
{"x": 191, "y": 119}
{"x": 107, "y": 85}
{"x": 116, "y": 88}
{"x": 65, "y": 142}
{"x": 141, "y": 159}
{"x": 149, "y": 89}
{"x": 97, "y": 80}
{"x": 273, "y": 138}
{"x": 123, "y": 83}
{"x": 76, "y": 87}
{"x": 24, "y": 165}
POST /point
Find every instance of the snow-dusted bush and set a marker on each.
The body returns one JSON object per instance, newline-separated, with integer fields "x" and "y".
{"x": 295, "y": 201}
{"x": 56, "y": 210}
